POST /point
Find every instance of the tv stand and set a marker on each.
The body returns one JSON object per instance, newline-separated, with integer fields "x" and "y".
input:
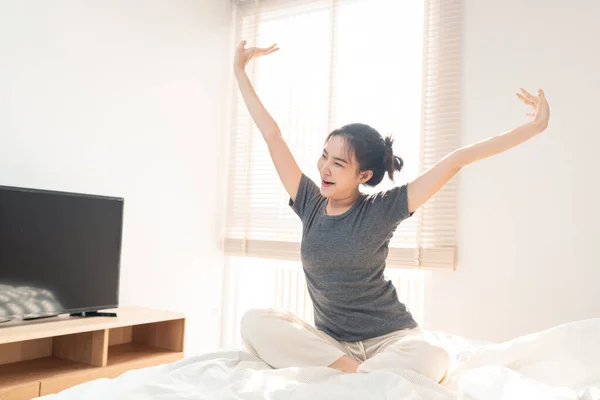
{"x": 38, "y": 358}
{"x": 85, "y": 314}
{"x": 33, "y": 318}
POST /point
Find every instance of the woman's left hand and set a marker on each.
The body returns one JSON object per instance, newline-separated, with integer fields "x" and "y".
{"x": 541, "y": 109}
{"x": 427, "y": 184}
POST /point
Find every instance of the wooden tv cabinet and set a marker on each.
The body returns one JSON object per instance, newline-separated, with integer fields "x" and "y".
{"x": 46, "y": 356}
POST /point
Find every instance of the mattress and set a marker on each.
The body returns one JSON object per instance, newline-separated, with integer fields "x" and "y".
{"x": 561, "y": 363}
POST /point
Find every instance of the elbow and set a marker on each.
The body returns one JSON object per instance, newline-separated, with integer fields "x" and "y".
{"x": 271, "y": 134}
{"x": 459, "y": 159}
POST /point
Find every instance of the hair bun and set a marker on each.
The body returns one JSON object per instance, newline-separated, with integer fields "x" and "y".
{"x": 389, "y": 142}
{"x": 393, "y": 163}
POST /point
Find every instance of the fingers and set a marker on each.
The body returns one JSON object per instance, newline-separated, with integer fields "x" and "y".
{"x": 543, "y": 106}
{"x": 268, "y": 50}
{"x": 542, "y": 95}
{"x": 526, "y": 100}
{"x": 258, "y": 50}
{"x": 531, "y": 100}
{"x": 529, "y": 96}
{"x": 539, "y": 103}
{"x": 273, "y": 50}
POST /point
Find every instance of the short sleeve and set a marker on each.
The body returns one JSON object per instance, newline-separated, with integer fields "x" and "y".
{"x": 307, "y": 197}
{"x": 391, "y": 205}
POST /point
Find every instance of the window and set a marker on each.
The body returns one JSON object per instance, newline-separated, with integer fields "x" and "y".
{"x": 393, "y": 64}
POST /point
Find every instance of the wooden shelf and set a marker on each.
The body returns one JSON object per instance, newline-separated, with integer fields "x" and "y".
{"x": 19, "y": 331}
{"x": 42, "y": 357}
{"x": 19, "y": 373}
{"x": 128, "y": 353}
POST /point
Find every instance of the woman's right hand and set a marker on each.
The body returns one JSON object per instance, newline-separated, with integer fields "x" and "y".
{"x": 243, "y": 55}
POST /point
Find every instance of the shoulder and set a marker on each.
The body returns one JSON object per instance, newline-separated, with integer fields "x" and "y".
{"x": 383, "y": 197}
{"x": 390, "y": 204}
{"x": 307, "y": 198}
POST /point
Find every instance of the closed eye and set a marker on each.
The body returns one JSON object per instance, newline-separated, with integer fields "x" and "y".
{"x": 339, "y": 164}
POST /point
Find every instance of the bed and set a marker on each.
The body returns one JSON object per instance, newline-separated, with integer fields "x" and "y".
{"x": 561, "y": 363}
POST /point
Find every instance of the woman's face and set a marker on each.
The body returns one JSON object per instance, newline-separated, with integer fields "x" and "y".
{"x": 338, "y": 167}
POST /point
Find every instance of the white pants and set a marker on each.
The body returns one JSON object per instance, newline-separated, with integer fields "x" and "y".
{"x": 282, "y": 340}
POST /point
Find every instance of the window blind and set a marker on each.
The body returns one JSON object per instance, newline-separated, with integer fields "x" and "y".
{"x": 393, "y": 64}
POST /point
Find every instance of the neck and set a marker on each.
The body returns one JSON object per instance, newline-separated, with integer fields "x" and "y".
{"x": 341, "y": 205}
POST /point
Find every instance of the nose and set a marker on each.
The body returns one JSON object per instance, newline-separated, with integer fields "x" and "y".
{"x": 325, "y": 168}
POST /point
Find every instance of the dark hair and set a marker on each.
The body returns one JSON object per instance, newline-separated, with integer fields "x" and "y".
{"x": 372, "y": 151}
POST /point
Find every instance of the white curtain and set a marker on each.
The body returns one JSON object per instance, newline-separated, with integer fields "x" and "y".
{"x": 393, "y": 64}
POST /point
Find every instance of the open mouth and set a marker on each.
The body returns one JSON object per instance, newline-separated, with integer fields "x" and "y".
{"x": 326, "y": 183}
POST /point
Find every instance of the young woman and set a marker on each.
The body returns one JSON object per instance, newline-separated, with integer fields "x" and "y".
{"x": 360, "y": 325}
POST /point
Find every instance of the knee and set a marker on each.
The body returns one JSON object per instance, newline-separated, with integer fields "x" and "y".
{"x": 253, "y": 323}
{"x": 437, "y": 362}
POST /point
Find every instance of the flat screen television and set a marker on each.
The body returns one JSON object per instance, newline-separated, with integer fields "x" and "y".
{"x": 59, "y": 252}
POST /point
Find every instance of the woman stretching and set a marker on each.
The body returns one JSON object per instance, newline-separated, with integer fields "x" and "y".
{"x": 360, "y": 325}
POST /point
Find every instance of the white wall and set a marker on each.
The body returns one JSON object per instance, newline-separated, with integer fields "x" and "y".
{"x": 529, "y": 221}
{"x": 127, "y": 99}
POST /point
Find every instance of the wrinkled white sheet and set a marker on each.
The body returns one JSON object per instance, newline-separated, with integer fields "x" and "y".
{"x": 562, "y": 363}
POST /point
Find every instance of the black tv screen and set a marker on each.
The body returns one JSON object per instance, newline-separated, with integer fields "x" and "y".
{"x": 59, "y": 252}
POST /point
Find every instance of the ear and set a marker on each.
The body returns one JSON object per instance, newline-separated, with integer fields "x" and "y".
{"x": 364, "y": 176}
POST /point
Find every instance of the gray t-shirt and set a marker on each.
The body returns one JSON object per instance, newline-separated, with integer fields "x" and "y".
{"x": 343, "y": 257}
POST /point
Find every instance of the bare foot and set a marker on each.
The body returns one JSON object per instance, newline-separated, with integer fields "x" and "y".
{"x": 345, "y": 364}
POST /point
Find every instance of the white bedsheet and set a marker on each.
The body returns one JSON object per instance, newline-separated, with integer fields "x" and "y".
{"x": 562, "y": 363}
